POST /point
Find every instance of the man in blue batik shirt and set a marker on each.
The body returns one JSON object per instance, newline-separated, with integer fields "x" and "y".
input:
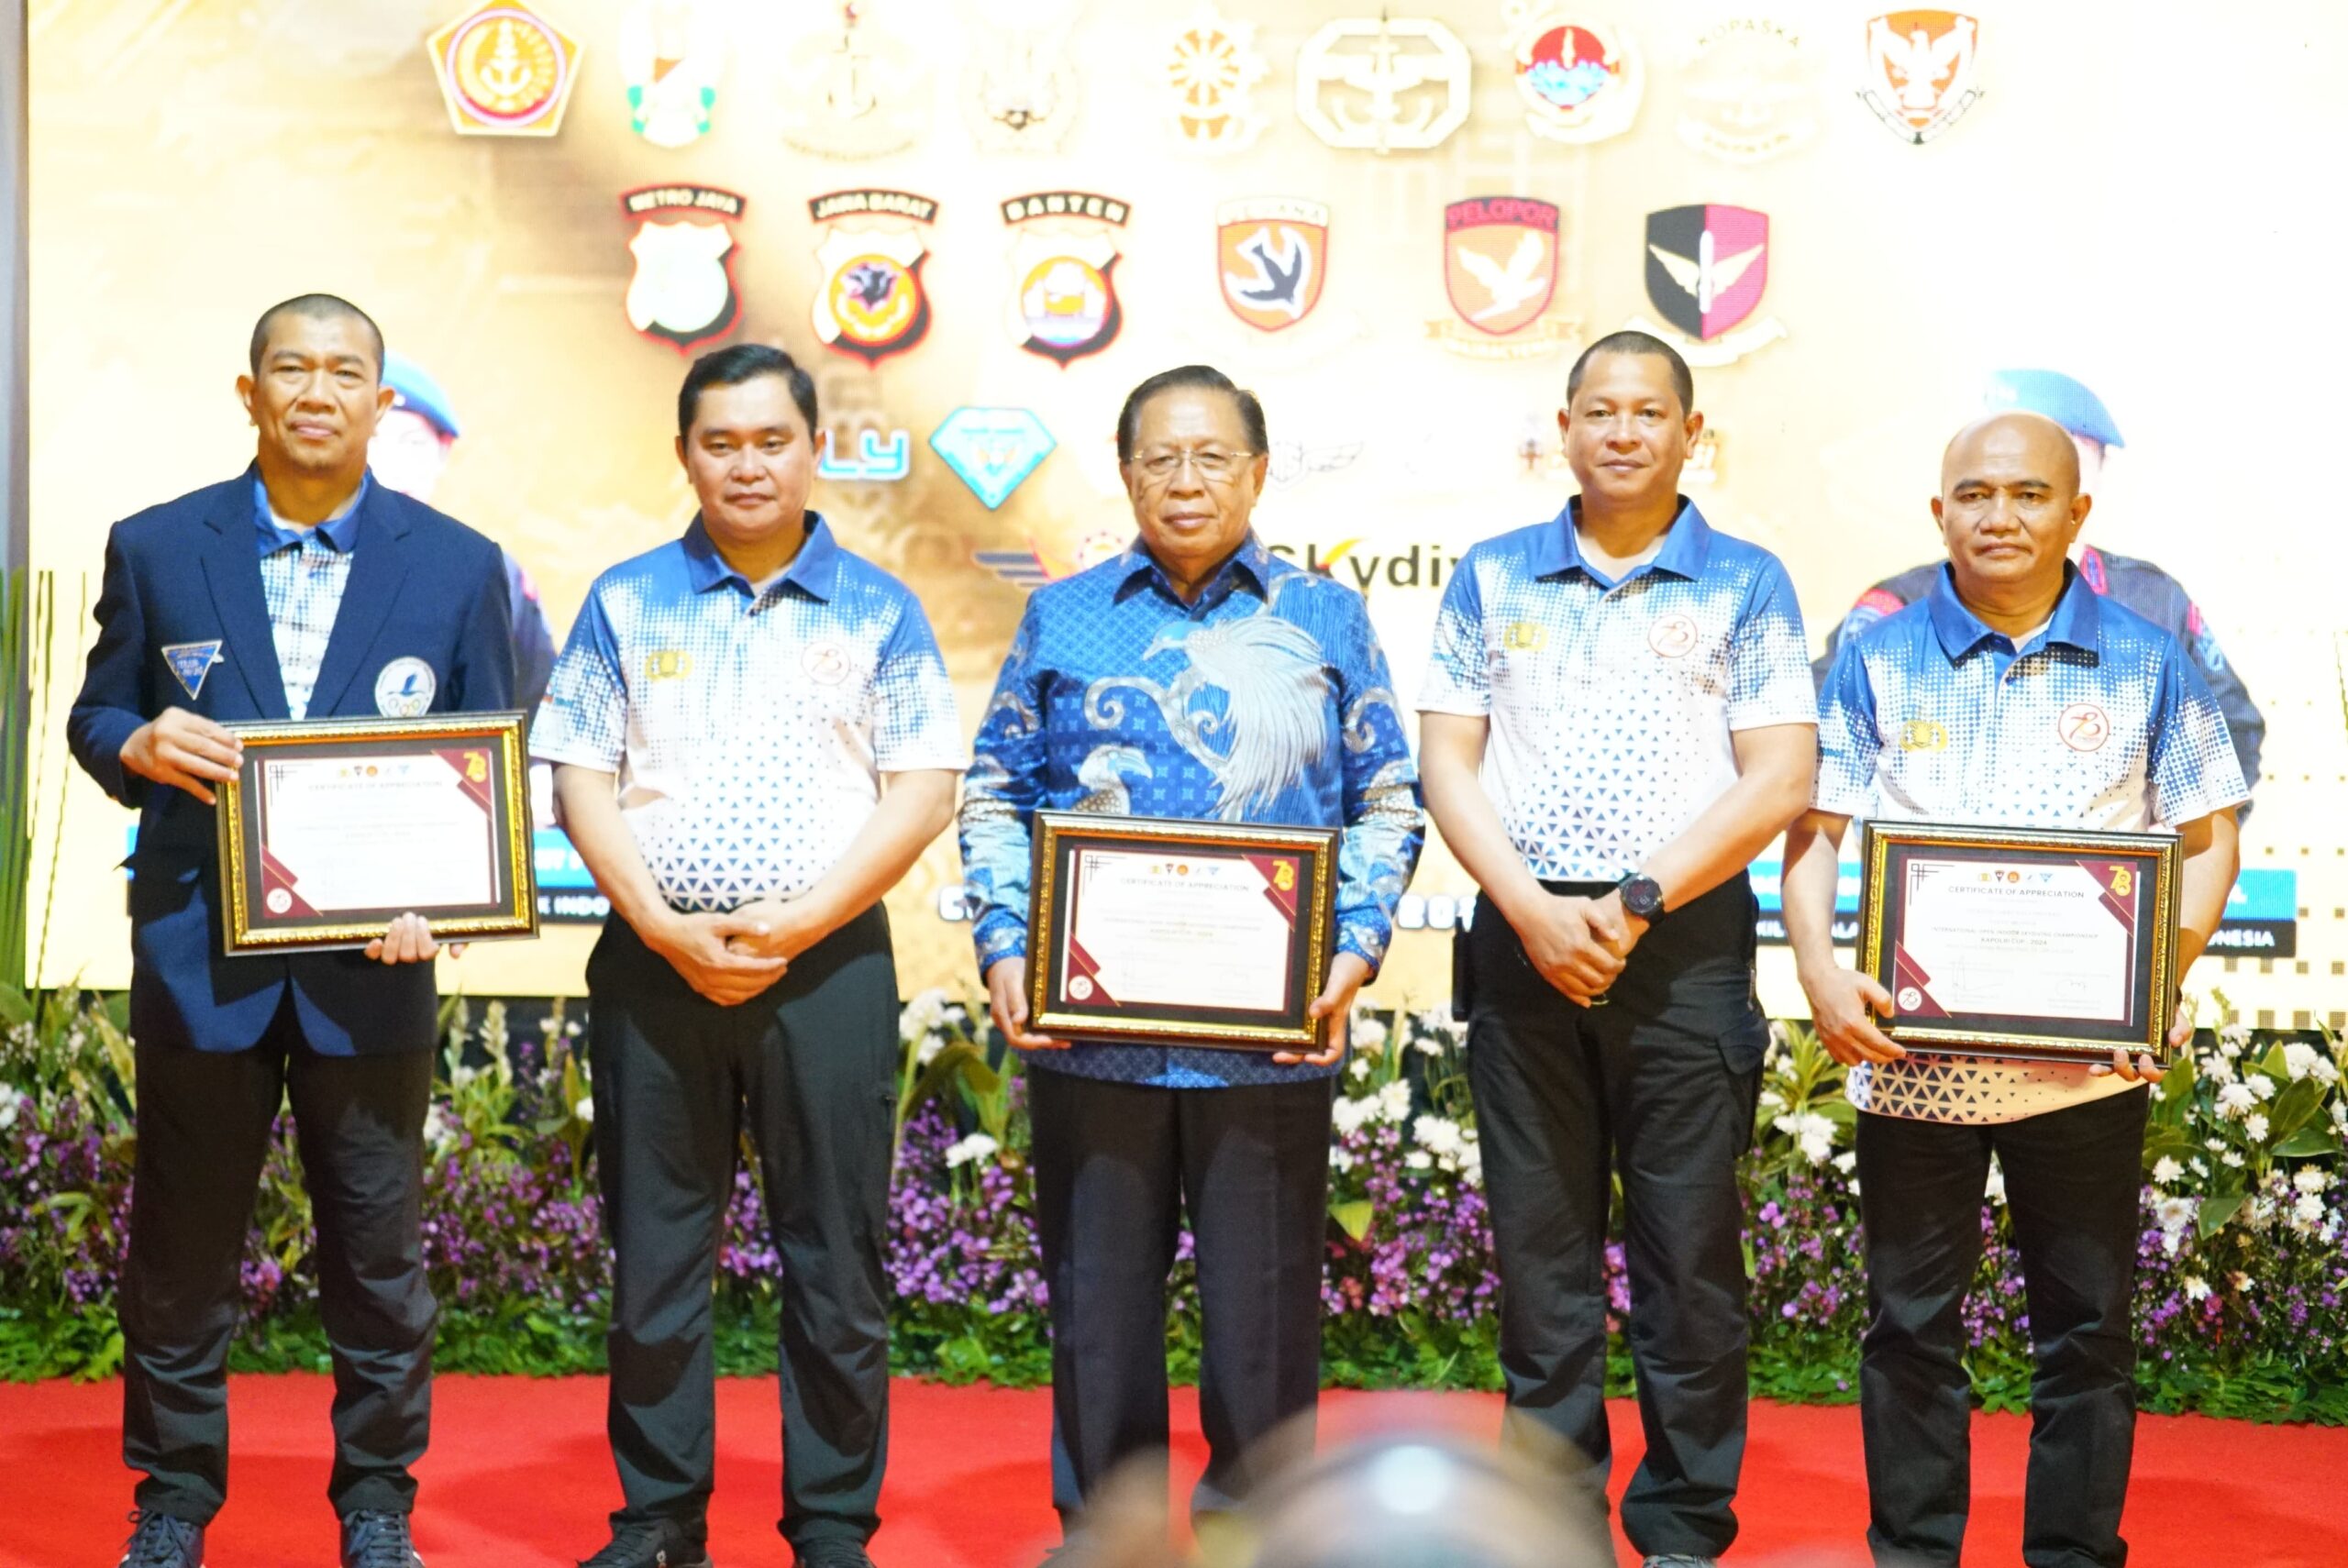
{"x": 2013, "y": 693}
{"x": 1194, "y": 675}
{"x": 754, "y": 739}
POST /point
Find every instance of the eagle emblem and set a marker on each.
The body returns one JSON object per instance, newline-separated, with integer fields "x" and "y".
{"x": 1272, "y": 254}
{"x": 1920, "y": 70}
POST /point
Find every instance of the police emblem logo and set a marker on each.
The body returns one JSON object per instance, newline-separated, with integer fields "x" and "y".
{"x": 670, "y": 54}
{"x": 1272, "y": 253}
{"x": 1397, "y": 82}
{"x": 1920, "y": 70}
{"x": 1750, "y": 90}
{"x": 1210, "y": 77}
{"x": 1706, "y": 268}
{"x": 869, "y": 297}
{"x": 1499, "y": 268}
{"x": 684, "y": 289}
{"x": 852, "y": 89}
{"x": 993, "y": 450}
{"x": 1064, "y": 302}
{"x": 190, "y": 662}
{"x": 504, "y": 70}
{"x": 1580, "y": 80}
{"x": 404, "y": 688}
{"x": 1923, "y": 735}
{"x": 1019, "y": 88}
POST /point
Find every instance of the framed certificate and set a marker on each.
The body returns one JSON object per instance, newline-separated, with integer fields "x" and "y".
{"x": 1163, "y": 930}
{"x": 333, "y": 827}
{"x": 2032, "y": 944}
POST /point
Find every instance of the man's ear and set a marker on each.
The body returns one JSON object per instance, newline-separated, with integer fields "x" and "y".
{"x": 245, "y": 390}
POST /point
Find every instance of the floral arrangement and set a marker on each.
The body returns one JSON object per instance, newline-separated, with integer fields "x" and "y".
{"x": 2242, "y": 1293}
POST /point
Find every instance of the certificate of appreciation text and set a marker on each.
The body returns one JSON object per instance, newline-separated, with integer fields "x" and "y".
{"x": 2022, "y": 939}
{"x": 1166, "y": 928}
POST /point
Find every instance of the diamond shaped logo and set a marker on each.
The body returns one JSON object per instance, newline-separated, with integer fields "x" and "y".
{"x": 991, "y": 449}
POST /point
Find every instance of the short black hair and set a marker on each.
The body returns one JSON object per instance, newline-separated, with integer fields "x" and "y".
{"x": 1204, "y": 377}
{"x": 739, "y": 363}
{"x": 316, "y": 307}
{"x": 1629, "y": 340}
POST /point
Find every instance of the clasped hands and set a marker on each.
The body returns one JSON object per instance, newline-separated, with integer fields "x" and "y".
{"x": 1580, "y": 946}
{"x": 731, "y": 958}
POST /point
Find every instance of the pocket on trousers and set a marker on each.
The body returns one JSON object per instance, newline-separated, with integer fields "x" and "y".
{"x": 1744, "y": 1043}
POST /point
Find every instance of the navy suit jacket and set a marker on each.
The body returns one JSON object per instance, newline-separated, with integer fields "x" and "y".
{"x": 422, "y": 585}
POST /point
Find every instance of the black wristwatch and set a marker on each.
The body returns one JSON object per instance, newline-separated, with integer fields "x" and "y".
{"x": 1640, "y": 895}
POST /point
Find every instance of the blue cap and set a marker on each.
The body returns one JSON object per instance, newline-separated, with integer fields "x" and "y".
{"x": 2061, "y": 399}
{"x": 414, "y": 389}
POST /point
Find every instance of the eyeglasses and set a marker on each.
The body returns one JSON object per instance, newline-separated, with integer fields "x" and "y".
{"x": 1214, "y": 466}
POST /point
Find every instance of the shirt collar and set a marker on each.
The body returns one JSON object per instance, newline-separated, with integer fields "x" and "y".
{"x": 1138, "y": 565}
{"x": 340, "y": 531}
{"x": 814, "y": 570}
{"x": 1687, "y": 546}
{"x": 2076, "y": 621}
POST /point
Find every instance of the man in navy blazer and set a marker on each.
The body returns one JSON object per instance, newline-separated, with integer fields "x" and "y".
{"x": 300, "y": 589}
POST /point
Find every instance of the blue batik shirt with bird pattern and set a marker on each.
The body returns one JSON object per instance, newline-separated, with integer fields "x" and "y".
{"x": 1267, "y": 701}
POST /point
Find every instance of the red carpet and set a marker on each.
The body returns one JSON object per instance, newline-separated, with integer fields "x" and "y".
{"x": 518, "y": 1477}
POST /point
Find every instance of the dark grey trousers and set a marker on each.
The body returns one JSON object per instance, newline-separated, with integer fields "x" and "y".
{"x": 1659, "y": 1082}
{"x": 809, "y": 1070}
{"x": 2073, "y": 1177}
{"x": 203, "y": 1124}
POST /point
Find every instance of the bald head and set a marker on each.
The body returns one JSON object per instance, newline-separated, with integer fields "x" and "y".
{"x": 2015, "y": 435}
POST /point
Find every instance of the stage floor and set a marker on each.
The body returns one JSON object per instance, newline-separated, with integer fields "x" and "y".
{"x": 518, "y": 1475}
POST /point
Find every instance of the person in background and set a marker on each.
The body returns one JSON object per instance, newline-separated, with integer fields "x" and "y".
{"x": 2138, "y": 585}
{"x": 2011, "y": 694}
{"x": 409, "y": 453}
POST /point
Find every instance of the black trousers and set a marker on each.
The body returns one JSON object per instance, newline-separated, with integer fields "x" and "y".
{"x": 1117, "y": 1165}
{"x": 1660, "y": 1081}
{"x": 203, "y": 1127}
{"x": 809, "y": 1069}
{"x": 2072, "y": 1180}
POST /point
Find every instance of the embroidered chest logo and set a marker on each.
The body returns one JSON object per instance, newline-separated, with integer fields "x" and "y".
{"x": 826, "y": 662}
{"x": 668, "y": 664}
{"x": 404, "y": 690}
{"x": 1673, "y": 636}
{"x": 1524, "y": 637}
{"x": 1923, "y": 735}
{"x": 2083, "y": 726}
{"x": 190, "y": 662}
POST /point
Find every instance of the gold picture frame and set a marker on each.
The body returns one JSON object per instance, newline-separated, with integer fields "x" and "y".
{"x": 330, "y": 763}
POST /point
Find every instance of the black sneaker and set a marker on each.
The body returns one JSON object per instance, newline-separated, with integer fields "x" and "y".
{"x": 830, "y": 1554}
{"x": 159, "y": 1540}
{"x": 654, "y": 1543}
{"x": 373, "y": 1539}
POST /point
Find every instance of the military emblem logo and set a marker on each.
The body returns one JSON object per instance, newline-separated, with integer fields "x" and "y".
{"x": 1211, "y": 79}
{"x": 1272, "y": 253}
{"x": 1750, "y": 90}
{"x": 993, "y": 450}
{"x": 869, "y": 297}
{"x": 684, "y": 289}
{"x": 1500, "y": 267}
{"x": 1706, "y": 268}
{"x": 851, "y": 89}
{"x": 1398, "y": 82}
{"x": 1063, "y": 299}
{"x": 669, "y": 53}
{"x": 1920, "y": 70}
{"x": 504, "y": 70}
{"x": 1580, "y": 81}
{"x": 1019, "y": 88}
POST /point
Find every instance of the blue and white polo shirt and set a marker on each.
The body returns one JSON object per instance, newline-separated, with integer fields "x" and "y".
{"x": 1613, "y": 700}
{"x": 749, "y": 724}
{"x": 2097, "y": 721}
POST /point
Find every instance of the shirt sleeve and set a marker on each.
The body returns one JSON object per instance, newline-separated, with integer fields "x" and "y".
{"x": 583, "y": 718}
{"x": 1459, "y": 678}
{"x": 1385, "y": 824}
{"x": 999, "y": 795}
{"x": 2191, "y": 767}
{"x": 1768, "y": 658}
{"x": 914, "y": 724}
{"x": 2244, "y": 722}
{"x": 1849, "y": 745}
